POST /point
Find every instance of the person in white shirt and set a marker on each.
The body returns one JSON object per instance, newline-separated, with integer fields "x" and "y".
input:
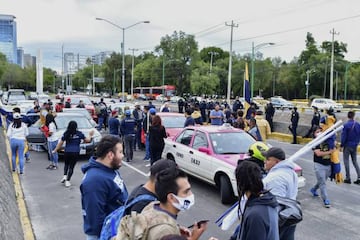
{"x": 52, "y": 141}
{"x": 17, "y": 133}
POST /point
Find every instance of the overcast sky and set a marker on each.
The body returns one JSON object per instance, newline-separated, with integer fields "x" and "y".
{"x": 47, "y": 24}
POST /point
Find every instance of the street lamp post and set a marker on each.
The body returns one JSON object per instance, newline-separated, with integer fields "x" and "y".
{"x": 257, "y": 47}
{"x": 132, "y": 70}
{"x": 113, "y": 90}
{"x": 307, "y": 82}
{"x": 122, "y": 50}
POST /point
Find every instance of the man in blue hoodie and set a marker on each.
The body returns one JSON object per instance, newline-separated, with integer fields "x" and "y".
{"x": 350, "y": 138}
{"x": 282, "y": 181}
{"x": 102, "y": 188}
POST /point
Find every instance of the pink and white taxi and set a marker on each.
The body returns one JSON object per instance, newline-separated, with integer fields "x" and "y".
{"x": 211, "y": 153}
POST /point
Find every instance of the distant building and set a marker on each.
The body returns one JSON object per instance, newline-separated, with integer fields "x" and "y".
{"x": 100, "y": 58}
{"x": 29, "y": 61}
{"x": 20, "y": 57}
{"x": 8, "y": 39}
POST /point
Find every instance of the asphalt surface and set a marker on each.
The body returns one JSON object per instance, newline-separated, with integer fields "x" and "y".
{"x": 55, "y": 211}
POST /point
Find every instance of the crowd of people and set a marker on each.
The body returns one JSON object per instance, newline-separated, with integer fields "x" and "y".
{"x": 262, "y": 177}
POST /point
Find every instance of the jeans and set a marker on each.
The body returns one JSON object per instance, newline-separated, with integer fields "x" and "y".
{"x": 350, "y": 151}
{"x": 322, "y": 173}
{"x": 101, "y": 122}
{"x": 147, "y": 147}
{"x": 92, "y": 237}
{"x": 17, "y": 147}
{"x": 54, "y": 157}
{"x": 129, "y": 148}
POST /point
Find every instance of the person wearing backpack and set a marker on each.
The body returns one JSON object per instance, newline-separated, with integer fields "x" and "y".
{"x": 159, "y": 218}
{"x": 281, "y": 180}
{"x": 259, "y": 217}
{"x": 149, "y": 187}
{"x": 102, "y": 188}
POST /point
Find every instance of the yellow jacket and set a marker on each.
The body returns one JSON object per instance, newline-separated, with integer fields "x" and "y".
{"x": 263, "y": 126}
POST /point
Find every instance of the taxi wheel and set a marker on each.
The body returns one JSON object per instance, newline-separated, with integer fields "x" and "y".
{"x": 226, "y": 192}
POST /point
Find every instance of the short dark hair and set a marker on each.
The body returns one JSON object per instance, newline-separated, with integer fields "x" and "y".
{"x": 166, "y": 183}
{"x": 16, "y": 109}
{"x": 161, "y": 165}
{"x": 248, "y": 178}
{"x": 351, "y": 114}
{"x": 107, "y": 144}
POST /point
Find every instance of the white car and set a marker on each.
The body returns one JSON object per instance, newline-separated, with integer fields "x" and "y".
{"x": 326, "y": 103}
{"x": 211, "y": 153}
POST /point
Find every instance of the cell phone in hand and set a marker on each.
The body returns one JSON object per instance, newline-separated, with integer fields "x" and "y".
{"x": 199, "y": 223}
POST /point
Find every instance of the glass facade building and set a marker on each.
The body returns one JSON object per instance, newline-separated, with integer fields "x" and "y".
{"x": 8, "y": 39}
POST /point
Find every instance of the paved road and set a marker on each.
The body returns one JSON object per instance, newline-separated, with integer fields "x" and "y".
{"x": 55, "y": 211}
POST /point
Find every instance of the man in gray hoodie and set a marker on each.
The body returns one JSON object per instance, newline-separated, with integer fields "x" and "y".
{"x": 281, "y": 180}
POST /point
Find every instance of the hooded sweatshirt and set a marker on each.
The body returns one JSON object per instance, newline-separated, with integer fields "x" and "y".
{"x": 102, "y": 191}
{"x": 260, "y": 219}
{"x": 282, "y": 180}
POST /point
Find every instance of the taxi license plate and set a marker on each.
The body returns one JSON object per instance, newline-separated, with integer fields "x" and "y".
{"x": 82, "y": 151}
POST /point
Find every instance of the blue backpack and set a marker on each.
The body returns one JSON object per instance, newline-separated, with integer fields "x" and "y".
{"x": 112, "y": 221}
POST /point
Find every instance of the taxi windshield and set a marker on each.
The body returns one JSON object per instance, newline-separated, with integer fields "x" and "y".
{"x": 231, "y": 142}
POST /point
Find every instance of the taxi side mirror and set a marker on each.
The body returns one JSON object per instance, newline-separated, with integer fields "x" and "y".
{"x": 204, "y": 150}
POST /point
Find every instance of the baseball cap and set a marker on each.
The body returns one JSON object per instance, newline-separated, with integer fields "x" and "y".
{"x": 16, "y": 116}
{"x": 152, "y": 111}
{"x": 128, "y": 112}
{"x": 68, "y": 100}
{"x": 161, "y": 165}
{"x": 275, "y": 152}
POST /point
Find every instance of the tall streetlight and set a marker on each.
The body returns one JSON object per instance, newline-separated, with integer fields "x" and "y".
{"x": 254, "y": 48}
{"x": 307, "y": 82}
{"x": 132, "y": 70}
{"x": 122, "y": 50}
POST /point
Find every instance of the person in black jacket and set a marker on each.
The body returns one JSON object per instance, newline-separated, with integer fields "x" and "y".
{"x": 294, "y": 123}
{"x": 259, "y": 216}
{"x": 157, "y": 133}
{"x": 315, "y": 123}
{"x": 149, "y": 187}
{"x": 269, "y": 115}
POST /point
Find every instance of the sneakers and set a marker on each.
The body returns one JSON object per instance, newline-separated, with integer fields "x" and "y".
{"x": 67, "y": 184}
{"x": 50, "y": 167}
{"x": 327, "y": 203}
{"x": 348, "y": 181}
{"x": 28, "y": 160}
{"x": 313, "y": 192}
{"x": 63, "y": 179}
{"x": 357, "y": 181}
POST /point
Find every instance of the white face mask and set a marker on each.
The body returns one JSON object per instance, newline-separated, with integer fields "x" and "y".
{"x": 184, "y": 203}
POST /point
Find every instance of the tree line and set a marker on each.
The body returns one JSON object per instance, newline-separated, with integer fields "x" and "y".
{"x": 179, "y": 61}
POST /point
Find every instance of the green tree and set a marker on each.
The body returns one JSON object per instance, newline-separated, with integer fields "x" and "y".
{"x": 181, "y": 50}
{"x": 201, "y": 81}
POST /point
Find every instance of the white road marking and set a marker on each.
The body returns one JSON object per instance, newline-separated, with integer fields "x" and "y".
{"x": 135, "y": 169}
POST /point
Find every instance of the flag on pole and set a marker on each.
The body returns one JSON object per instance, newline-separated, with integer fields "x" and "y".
{"x": 246, "y": 91}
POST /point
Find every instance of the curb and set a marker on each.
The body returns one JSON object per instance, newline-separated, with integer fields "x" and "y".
{"x": 283, "y": 137}
{"x": 24, "y": 216}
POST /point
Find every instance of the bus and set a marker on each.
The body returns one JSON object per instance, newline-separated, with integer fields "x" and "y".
{"x": 152, "y": 92}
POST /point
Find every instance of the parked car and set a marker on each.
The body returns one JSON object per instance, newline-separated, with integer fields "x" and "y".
{"x": 62, "y": 120}
{"x": 325, "y": 104}
{"x": 60, "y": 95}
{"x": 14, "y": 95}
{"x": 42, "y": 98}
{"x": 211, "y": 153}
{"x": 33, "y": 96}
{"x": 173, "y": 122}
{"x": 120, "y": 106}
{"x": 75, "y": 99}
{"x": 81, "y": 111}
{"x": 281, "y": 103}
{"x": 175, "y": 99}
{"x": 142, "y": 97}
